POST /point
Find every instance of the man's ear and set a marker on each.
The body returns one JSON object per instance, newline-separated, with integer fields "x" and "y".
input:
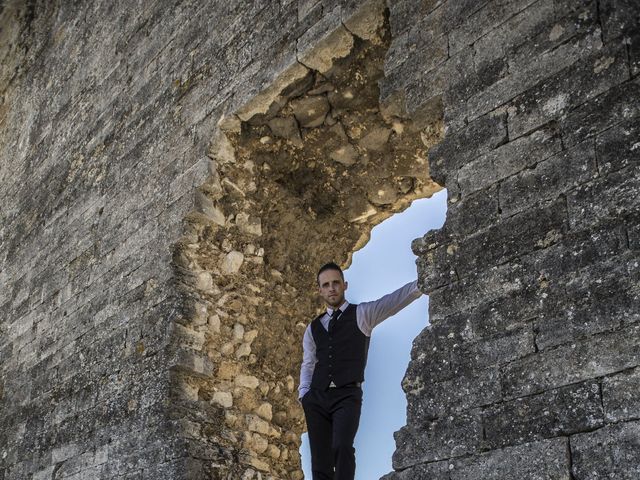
{"x": 346, "y": 285}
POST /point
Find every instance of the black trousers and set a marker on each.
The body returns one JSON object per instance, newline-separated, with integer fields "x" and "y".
{"x": 333, "y": 416}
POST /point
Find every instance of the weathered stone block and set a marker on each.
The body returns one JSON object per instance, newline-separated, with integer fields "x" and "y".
{"x": 596, "y": 356}
{"x": 429, "y": 54}
{"x": 273, "y": 23}
{"x": 462, "y": 93}
{"x": 508, "y": 159}
{"x": 427, "y": 471}
{"x": 445, "y": 437}
{"x": 450, "y": 76}
{"x": 458, "y": 13}
{"x": 497, "y": 317}
{"x": 366, "y": 20}
{"x": 557, "y": 38}
{"x": 582, "y": 256}
{"x": 611, "y": 451}
{"x": 572, "y": 86}
{"x": 437, "y": 339}
{"x": 486, "y": 18}
{"x": 474, "y": 388}
{"x": 424, "y": 44}
{"x": 436, "y": 267}
{"x": 307, "y": 7}
{"x": 393, "y": 95}
{"x": 558, "y": 412}
{"x": 548, "y": 178}
{"x": 515, "y": 236}
{"x": 474, "y": 290}
{"x": 633, "y": 233}
{"x": 195, "y": 175}
{"x": 620, "y": 396}
{"x": 584, "y": 310}
{"x": 619, "y": 17}
{"x": 524, "y": 24}
{"x": 430, "y": 240}
{"x": 474, "y": 212}
{"x": 600, "y": 113}
{"x": 403, "y": 13}
{"x": 619, "y": 146}
{"x": 634, "y": 54}
{"x": 535, "y": 461}
{"x": 612, "y": 196}
{"x": 397, "y": 53}
{"x": 324, "y": 42}
{"x": 457, "y": 149}
{"x": 492, "y": 350}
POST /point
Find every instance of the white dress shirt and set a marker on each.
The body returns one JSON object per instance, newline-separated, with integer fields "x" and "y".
{"x": 368, "y": 315}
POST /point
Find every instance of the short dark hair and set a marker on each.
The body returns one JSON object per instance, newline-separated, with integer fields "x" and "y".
{"x": 329, "y": 266}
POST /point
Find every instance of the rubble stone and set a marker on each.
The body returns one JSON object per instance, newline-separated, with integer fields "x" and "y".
{"x": 232, "y": 262}
{"x": 310, "y": 111}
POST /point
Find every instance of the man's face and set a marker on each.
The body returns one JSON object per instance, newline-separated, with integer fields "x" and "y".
{"x": 331, "y": 288}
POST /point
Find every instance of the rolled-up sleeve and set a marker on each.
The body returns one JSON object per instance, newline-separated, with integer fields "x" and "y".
{"x": 308, "y": 362}
{"x": 370, "y": 314}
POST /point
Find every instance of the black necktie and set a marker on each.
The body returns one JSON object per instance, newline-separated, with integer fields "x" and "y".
{"x": 334, "y": 317}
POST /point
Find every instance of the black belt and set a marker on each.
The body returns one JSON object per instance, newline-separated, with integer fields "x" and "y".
{"x": 352, "y": 384}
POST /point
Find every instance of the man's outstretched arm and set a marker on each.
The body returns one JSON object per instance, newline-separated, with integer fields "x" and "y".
{"x": 373, "y": 313}
{"x": 308, "y": 362}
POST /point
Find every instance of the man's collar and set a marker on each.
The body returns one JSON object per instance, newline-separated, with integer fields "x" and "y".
{"x": 342, "y": 308}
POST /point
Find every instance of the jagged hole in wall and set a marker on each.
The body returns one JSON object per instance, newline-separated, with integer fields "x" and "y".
{"x": 381, "y": 266}
{"x": 300, "y": 182}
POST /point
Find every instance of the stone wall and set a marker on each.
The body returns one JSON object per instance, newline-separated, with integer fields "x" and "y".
{"x": 168, "y": 173}
{"x": 157, "y": 268}
{"x": 530, "y": 366}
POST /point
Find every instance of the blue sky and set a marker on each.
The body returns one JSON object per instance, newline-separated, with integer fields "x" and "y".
{"x": 384, "y": 264}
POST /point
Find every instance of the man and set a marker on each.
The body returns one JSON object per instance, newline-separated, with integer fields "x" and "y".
{"x": 335, "y": 347}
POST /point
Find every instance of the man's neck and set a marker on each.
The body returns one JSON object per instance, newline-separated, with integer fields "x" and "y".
{"x": 342, "y": 307}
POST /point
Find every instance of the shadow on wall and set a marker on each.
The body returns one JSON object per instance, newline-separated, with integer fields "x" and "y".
{"x": 385, "y": 263}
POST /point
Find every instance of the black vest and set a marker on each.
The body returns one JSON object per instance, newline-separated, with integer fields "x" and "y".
{"x": 342, "y": 355}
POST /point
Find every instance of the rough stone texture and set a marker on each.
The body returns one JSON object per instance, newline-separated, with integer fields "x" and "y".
{"x": 619, "y": 396}
{"x": 544, "y": 460}
{"x": 620, "y": 441}
{"x": 165, "y": 166}
{"x": 164, "y": 169}
{"x": 531, "y": 356}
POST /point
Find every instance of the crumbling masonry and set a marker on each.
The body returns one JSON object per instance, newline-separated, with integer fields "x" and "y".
{"x": 168, "y": 175}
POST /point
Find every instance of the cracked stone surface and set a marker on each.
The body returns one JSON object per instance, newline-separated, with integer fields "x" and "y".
{"x": 168, "y": 176}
